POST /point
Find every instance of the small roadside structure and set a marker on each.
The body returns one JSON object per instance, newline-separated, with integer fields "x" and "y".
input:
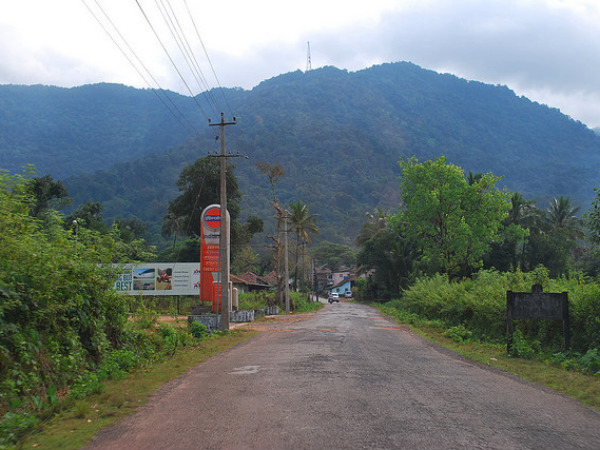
{"x": 250, "y": 282}
{"x": 537, "y": 305}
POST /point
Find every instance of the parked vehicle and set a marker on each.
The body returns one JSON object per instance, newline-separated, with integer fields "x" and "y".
{"x": 348, "y": 294}
{"x": 334, "y": 297}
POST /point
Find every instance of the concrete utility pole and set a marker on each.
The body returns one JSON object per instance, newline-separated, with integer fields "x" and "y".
{"x": 224, "y": 238}
{"x": 287, "y": 271}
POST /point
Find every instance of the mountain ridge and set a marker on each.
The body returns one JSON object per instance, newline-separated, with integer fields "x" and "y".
{"x": 338, "y": 135}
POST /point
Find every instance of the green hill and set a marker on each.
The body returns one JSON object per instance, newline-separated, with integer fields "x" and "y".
{"x": 337, "y": 134}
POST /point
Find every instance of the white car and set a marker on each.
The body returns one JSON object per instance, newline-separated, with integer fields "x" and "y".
{"x": 334, "y": 297}
{"x": 348, "y": 294}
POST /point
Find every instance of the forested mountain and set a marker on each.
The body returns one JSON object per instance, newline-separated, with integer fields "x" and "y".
{"x": 337, "y": 134}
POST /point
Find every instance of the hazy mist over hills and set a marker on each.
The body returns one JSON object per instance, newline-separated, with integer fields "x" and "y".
{"x": 338, "y": 135}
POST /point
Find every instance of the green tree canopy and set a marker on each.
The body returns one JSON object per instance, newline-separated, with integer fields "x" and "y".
{"x": 48, "y": 194}
{"x": 452, "y": 221}
{"x": 385, "y": 252}
{"x": 199, "y": 184}
{"x": 334, "y": 255}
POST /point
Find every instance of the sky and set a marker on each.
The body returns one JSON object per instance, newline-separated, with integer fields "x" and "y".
{"x": 546, "y": 50}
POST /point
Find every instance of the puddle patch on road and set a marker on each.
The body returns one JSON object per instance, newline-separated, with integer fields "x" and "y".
{"x": 245, "y": 370}
{"x": 405, "y": 328}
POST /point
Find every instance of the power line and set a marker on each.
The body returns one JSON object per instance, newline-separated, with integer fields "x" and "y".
{"x": 207, "y": 57}
{"x": 178, "y": 34}
{"x": 173, "y": 109}
{"x": 170, "y": 58}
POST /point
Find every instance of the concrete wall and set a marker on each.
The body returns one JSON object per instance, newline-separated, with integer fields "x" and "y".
{"x": 212, "y": 321}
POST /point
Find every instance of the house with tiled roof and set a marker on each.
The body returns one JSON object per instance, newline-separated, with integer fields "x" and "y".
{"x": 251, "y": 282}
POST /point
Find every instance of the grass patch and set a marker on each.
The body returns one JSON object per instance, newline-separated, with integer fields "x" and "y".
{"x": 584, "y": 388}
{"x": 74, "y": 427}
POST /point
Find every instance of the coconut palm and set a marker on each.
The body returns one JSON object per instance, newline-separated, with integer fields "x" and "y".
{"x": 303, "y": 224}
{"x": 562, "y": 216}
{"x": 523, "y": 212}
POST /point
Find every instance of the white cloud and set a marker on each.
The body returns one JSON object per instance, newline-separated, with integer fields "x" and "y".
{"x": 548, "y": 50}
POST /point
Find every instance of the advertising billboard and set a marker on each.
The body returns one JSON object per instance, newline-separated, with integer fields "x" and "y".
{"x": 159, "y": 279}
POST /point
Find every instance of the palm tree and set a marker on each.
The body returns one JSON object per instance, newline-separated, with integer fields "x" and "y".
{"x": 172, "y": 224}
{"x": 523, "y": 212}
{"x": 561, "y": 216}
{"x": 303, "y": 224}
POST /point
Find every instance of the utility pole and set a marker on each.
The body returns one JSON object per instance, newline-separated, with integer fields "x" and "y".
{"x": 287, "y": 272}
{"x": 223, "y": 238}
{"x": 308, "y": 63}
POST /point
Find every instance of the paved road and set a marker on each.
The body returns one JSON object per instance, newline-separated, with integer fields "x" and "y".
{"x": 347, "y": 378}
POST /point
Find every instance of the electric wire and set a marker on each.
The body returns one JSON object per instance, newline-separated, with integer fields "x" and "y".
{"x": 177, "y": 33}
{"x": 207, "y": 57}
{"x": 160, "y": 41}
{"x": 207, "y": 85}
{"x": 176, "y": 30}
{"x": 173, "y": 108}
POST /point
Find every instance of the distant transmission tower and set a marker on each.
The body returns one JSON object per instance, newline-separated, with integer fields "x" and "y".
{"x": 308, "y": 63}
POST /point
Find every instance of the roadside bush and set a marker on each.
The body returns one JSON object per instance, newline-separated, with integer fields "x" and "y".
{"x": 590, "y": 362}
{"x": 59, "y": 318}
{"x": 197, "y": 330}
{"x": 118, "y": 364}
{"x": 254, "y": 300}
{"x": 522, "y": 347}
{"x": 458, "y": 333}
{"x": 302, "y": 302}
{"x": 479, "y": 305}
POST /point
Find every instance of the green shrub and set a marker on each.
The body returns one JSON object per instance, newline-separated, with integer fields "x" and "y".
{"x": 197, "y": 330}
{"x": 522, "y": 347}
{"x": 89, "y": 383}
{"x": 458, "y": 333}
{"x": 254, "y": 300}
{"x": 590, "y": 362}
{"x": 166, "y": 330}
{"x": 15, "y": 425}
{"x": 118, "y": 364}
{"x": 303, "y": 303}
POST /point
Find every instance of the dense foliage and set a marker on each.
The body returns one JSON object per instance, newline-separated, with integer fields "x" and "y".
{"x": 452, "y": 221}
{"x": 63, "y": 329}
{"x": 58, "y": 315}
{"x": 478, "y": 306}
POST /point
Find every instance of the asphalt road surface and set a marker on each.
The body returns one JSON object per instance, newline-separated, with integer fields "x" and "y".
{"x": 348, "y": 378}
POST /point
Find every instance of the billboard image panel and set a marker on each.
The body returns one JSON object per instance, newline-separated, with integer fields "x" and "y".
{"x": 159, "y": 279}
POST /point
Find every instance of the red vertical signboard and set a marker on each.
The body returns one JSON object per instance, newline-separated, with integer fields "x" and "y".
{"x": 209, "y": 253}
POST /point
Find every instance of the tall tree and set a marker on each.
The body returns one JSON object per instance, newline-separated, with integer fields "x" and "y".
{"x": 88, "y": 216}
{"x": 554, "y": 237}
{"x": 375, "y": 223}
{"x": 452, "y": 221}
{"x": 508, "y": 251}
{"x": 561, "y": 215}
{"x": 303, "y": 224}
{"x": 274, "y": 172}
{"x": 386, "y": 253}
{"x": 47, "y": 194}
{"x": 199, "y": 184}
{"x": 592, "y": 219}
